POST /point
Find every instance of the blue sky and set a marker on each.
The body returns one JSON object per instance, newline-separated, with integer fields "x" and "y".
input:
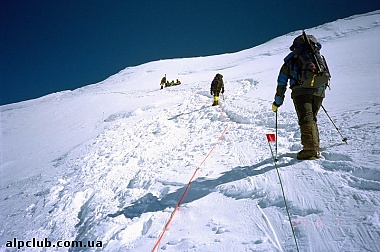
{"x": 48, "y": 46}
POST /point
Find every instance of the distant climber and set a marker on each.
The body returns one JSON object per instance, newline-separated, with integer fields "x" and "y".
{"x": 217, "y": 87}
{"x": 163, "y": 82}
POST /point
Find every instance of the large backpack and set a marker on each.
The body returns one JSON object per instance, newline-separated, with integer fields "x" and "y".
{"x": 312, "y": 67}
{"x": 217, "y": 83}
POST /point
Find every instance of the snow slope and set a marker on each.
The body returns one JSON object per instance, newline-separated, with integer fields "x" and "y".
{"x": 110, "y": 161}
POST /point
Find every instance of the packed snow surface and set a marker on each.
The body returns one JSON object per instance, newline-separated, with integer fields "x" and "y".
{"x": 109, "y": 162}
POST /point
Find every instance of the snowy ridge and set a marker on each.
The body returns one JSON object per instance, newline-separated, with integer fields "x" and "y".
{"x": 109, "y": 162}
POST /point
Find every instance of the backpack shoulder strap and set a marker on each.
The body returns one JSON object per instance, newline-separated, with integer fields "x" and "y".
{"x": 289, "y": 57}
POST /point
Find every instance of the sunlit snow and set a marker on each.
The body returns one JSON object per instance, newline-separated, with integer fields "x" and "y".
{"x": 110, "y": 161}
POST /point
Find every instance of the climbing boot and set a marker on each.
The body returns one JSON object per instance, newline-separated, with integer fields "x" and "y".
{"x": 216, "y": 101}
{"x": 307, "y": 155}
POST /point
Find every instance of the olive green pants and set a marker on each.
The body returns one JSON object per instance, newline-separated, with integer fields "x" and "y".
{"x": 307, "y": 107}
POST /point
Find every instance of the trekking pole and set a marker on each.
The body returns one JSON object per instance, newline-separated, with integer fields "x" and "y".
{"x": 276, "y": 159}
{"x": 223, "y": 91}
{"x": 344, "y": 139}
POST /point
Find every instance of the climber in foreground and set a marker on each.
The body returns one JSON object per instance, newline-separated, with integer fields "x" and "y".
{"x": 217, "y": 87}
{"x": 308, "y": 75}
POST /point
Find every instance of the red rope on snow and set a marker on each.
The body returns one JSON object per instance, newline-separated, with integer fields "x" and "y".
{"x": 187, "y": 188}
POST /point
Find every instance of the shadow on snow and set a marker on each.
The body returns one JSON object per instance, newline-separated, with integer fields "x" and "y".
{"x": 198, "y": 189}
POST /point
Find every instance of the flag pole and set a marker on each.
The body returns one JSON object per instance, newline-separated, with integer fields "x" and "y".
{"x": 271, "y": 151}
{"x": 270, "y": 138}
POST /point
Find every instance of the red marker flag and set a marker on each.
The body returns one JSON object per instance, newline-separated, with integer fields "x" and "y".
{"x": 271, "y": 138}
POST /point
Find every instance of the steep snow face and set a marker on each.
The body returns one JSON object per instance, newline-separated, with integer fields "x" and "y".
{"x": 108, "y": 163}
